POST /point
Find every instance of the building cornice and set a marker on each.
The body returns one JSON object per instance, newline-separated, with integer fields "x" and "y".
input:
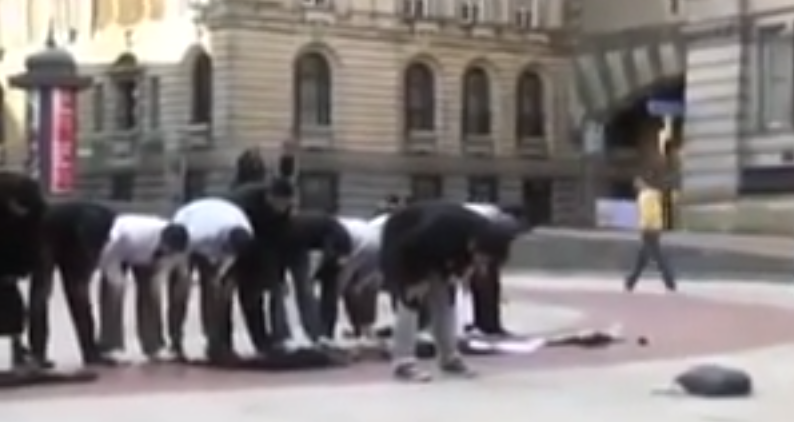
{"x": 275, "y": 17}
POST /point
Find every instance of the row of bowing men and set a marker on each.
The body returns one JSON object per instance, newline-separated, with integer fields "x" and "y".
{"x": 241, "y": 245}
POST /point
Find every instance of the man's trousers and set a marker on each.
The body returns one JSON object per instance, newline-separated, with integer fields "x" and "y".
{"x": 299, "y": 269}
{"x": 651, "y": 250}
{"x": 440, "y": 302}
{"x": 486, "y": 301}
{"x": 149, "y": 284}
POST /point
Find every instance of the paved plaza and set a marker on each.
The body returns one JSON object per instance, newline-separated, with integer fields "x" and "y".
{"x": 745, "y": 324}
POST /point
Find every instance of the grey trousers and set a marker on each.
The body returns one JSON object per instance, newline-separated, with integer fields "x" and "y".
{"x": 305, "y": 296}
{"x": 443, "y": 324}
{"x": 149, "y": 284}
{"x": 651, "y": 251}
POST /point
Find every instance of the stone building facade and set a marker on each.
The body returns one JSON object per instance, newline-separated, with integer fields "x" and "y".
{"x": 460, "y": 98}
{"x": 740, "y": 75}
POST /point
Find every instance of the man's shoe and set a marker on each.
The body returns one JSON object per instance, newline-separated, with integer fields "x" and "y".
{"x": 159, "y": 357}
{"x": 222, "y": 356}
{"x": 178, "y": 354}
{"x": 101, "y": 359}
{"x": 410, "y": 372}
{"x": 628, "y": 285}
{"x": 458, "y": 368}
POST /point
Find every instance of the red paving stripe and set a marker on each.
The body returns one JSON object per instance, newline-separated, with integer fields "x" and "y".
{"x": 675, "y": 325}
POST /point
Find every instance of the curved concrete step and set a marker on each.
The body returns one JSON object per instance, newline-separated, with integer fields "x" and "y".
{"x": 693, "y": 255}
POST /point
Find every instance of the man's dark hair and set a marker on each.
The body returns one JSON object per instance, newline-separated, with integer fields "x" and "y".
{"x": 175, "y": 238}
{"x": 287, "y": 166}
{"x": 282, "y": 188}
{"x": 250, "y": 167}
{"x": 393, "y": 199}
{"x": 238, "y": 240}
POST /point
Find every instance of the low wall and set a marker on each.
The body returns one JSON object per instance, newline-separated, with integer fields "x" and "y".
{"x": 772, "y": 217}
{"x": 693, "y": 256}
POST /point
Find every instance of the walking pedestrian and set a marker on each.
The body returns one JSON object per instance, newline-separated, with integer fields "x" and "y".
{"x": 650, "y": 208}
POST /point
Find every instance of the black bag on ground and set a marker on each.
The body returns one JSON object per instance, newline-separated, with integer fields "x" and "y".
{"x": 715, "y": 381}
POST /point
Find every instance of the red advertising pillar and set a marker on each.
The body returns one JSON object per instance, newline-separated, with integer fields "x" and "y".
{"x": 52, "y": 82}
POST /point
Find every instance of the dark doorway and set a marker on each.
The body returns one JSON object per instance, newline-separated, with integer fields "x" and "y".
{"x": 536, "y": 195}
{"x": 630, "y": 137}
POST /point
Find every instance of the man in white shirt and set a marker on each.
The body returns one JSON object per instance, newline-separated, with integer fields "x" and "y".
{"x": 219, "y": 232}
{"x": 356, "y": 279}
{"x": 151, "y": 247}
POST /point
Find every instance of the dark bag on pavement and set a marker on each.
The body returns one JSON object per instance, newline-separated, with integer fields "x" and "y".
{"x": 715, "y": 381}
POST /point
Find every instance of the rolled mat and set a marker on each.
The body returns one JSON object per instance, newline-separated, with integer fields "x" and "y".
{"x": 31, "y": 378}
{"x": 282, "y": 360}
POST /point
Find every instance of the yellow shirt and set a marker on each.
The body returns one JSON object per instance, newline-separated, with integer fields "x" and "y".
{"x": 651, "y": 213}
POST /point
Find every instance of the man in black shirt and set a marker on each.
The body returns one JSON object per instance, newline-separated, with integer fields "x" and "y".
{"x": 426, "y": 247}
{"x": 74, "y": 235}
{"x": 268, "y": 205}
{"x": 22, "y": 209}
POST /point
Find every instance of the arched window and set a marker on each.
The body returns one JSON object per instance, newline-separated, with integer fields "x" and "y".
{"x": 419, "y": 86}
{"x": 125, "y": 77}
{"x": 201, "y": 87}
{"x": 313, "y": 86}
{"x": 476, "y": 110}
{"x": 530, "y": 117}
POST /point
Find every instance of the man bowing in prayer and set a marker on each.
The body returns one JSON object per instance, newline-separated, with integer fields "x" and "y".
{"x": 219, "y": 232}
{"x": 151, "y": 248}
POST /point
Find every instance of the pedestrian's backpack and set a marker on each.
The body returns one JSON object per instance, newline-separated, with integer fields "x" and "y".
{"x": 715, "y": 381}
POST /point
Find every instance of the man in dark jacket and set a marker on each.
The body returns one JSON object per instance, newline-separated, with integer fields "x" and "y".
{"x": 22, "y": 209}
{"x": 314, "y": 232}
{"x": 425, "y": 248}
{"x": 74, "y": 234}
{"x": 268, "y": 205}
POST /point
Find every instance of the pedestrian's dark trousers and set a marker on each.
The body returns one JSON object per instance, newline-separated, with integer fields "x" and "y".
{"x": 651, "y": 250}
{"x": 486, "y": 300}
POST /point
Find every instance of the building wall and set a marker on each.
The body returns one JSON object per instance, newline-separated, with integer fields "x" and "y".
{"x": 740, "y": 92}
{"x": 617, "y": 15}
{"x": 254, "y": 45}
{"x": 369, "y": 47}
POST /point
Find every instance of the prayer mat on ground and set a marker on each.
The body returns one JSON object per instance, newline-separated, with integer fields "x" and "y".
{"x": 297, "y": 359}
{"x": 25, "y": 378}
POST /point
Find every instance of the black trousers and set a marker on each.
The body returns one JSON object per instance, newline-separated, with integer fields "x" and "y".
{"x": 486, "y": 302}
{"x": 12, "y": 309}
{"x": 361, "y": 305}
{"x": 256, "y": 280}
{"x": 303, "y": 287}
{"x": 76, "y": 274}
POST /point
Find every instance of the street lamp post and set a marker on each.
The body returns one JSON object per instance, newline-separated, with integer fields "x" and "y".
{"x": 593, "y": 133}
{"x": 667, "y": 111}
